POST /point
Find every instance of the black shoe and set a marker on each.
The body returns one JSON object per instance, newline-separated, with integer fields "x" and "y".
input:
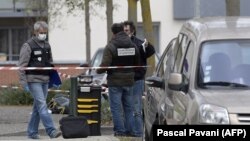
{"x": 120, "y": 135}
{"x": 134, "y": 135}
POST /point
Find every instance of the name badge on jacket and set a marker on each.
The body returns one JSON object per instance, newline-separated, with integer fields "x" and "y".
{"x": 126, "y": 51}
{"x": 37, "y": 52}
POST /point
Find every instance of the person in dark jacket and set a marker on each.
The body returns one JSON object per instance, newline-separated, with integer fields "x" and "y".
{"x": 36, "y": 52}
{"x": 119, "y": 53}
{"x": 146, "y": 50}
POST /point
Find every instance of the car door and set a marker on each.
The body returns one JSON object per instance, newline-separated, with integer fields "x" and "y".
{"x": 180, "y": 98}
{"x": 155, "y": 95}
{"x": 165, "y": 105}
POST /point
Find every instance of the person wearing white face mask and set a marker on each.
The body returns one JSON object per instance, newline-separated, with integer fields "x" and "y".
{"x": 36, "y": 52}
{"x": 42, "y": 36}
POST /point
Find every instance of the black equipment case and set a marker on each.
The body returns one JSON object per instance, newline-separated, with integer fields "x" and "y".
{"x": 74, "y": 127}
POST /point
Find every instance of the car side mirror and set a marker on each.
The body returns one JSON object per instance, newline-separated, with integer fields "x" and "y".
{"x": 154, "y": 81}
{"x": 175, "y": 81}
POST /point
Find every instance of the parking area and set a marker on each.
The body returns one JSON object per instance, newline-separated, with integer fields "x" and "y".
{"x": 14, "y": 120}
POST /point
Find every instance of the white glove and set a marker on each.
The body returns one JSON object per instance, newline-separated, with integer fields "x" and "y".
{"x": 145, "y": 44}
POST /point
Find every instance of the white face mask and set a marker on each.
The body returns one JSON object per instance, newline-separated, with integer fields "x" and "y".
{"x": 42, "y": 37}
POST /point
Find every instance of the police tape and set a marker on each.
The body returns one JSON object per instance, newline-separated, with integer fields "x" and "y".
{"x": 61, "y": 74}
{"x": 66, "y": 68}
{"x": 49, "y": 90}
{"x": 18, "y": 87}
{"x": 61, "y": 91}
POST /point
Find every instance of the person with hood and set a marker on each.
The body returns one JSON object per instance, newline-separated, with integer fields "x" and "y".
{"x": 122, "y": 55}
{"x": 36, "y": 52}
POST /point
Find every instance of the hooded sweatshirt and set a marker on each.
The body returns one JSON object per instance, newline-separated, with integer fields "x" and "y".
{"x": 120, "y": 52}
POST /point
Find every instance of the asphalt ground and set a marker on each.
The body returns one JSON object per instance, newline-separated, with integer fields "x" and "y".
{"x": 14, "y": 121}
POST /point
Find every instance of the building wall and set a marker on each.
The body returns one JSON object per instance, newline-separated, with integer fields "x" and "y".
{"x": 67, "y": 31}
{"x": 67, "y": 35}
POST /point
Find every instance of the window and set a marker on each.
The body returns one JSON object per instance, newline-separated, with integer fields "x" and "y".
{"x": 225, "y": 61}
{"x": 181, "y": 48}
{"x": 187, "y": 63}
{"x": 169, "y": 63}
{"x": 166, "y": 62}
{"x": 4, "y": 44}
{"x": 162, "y": 65}
{"x": 187, "y": 9}
{"x": 11, "y": 41}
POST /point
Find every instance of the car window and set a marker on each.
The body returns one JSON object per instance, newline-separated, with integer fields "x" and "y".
{"x": 162, "y": 64}
{"x": 187, "y": 63}
{"x": 225, "y": 61}
{"x": 96, "y": 60}
{"x": 181, "y": 48}
{"x": 169, "y": 63}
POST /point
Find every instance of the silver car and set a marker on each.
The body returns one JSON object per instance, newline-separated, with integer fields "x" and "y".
{"x": 203, "y": 77}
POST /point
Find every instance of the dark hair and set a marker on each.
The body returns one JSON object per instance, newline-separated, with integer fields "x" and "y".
{"x": 117, "y": 27}
{"x": 131, "y": 25}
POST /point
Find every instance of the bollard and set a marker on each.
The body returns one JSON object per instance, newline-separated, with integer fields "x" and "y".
{"x": 73, "y": 97}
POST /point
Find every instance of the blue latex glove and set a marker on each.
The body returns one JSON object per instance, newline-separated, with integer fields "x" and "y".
{"x": 26, "y": 88}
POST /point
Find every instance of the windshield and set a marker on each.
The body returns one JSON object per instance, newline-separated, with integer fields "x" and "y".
{"x": 96, "y": 60}
{"x": 225, "y": 61}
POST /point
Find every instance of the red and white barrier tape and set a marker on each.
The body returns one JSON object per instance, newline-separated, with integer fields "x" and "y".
{"x": 12, "y": 87}
{"x": 61, "y": 91}
{"x": 66, "y": 68}
{"x": 60, "y": 74}
{"x": 49, "y": 90}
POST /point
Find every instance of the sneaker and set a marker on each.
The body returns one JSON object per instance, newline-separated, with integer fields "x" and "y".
{"x": 34, "y": 137}
{"x": 55, "y": 134}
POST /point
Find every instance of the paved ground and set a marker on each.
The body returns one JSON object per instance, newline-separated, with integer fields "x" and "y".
{"x": 14, "y": 120}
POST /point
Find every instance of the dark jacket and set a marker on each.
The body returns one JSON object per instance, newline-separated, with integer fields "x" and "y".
{"x": 39, "y": 57}
{"x": 120, "y": 51}
{"x": 150, "y": 50}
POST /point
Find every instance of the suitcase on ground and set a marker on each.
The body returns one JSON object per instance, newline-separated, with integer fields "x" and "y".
{"x": 74, "y": 127}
